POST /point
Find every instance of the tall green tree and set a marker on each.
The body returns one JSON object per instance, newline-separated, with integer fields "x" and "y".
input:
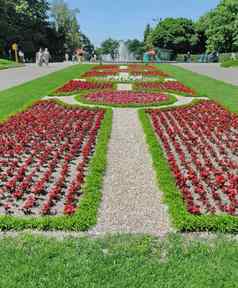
{"x": 87, "y": 46}
{"x": 178, "y": 34}
{"x": 220, "y": 26}
{"x": 136, "y": 47}
{"x": 66, "y": 23}
{"x": 26, "y": 23}
{"x": 147, "y": 32}
{"x": 110, "y": 47}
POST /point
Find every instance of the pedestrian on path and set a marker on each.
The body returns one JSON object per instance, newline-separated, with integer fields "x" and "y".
{"x": 66, "y": 57}
{"x": 21, "y": 56}
{"x": 39, "y": 57}
{"x": 46, "y": 56}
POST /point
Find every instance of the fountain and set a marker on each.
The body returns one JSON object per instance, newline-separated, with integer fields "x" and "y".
{"x": 123, "y": 54}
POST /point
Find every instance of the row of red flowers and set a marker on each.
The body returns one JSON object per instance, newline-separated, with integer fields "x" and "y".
{"x": 200, "y": 143}
{"x": 44, "y": 155}
{"x": 76, "y": 85}
{"x": 141, "y": 67}
{"x": 96, "y": 73}
{"x": 150, "y": 73}
{"x": 168, "y": 85}
{"x": 126, "y": 97}
{"x": 105, "y": 67}
{"x": 133, "y": 69}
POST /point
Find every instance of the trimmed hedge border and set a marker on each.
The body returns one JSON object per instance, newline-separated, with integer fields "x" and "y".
{"x": 181, "y": 218}
{"x": 86, "y": 214}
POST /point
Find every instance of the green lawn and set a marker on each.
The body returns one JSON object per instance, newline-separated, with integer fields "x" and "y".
{"x": 122, "y": 261}
{"x": 229, "y": 63}
{"x": 225, "y": 94}
{"x": 5, "y": 64}
{"x": 16, "y": 98}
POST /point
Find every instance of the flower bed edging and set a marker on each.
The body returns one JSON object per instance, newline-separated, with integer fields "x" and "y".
{"x": 81, "y": 99}
{"x": 181, "y": 218}
{"x": 86, "y": 215}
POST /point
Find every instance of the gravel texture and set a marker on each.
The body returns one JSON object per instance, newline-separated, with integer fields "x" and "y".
{"x": 181, "y": 100}
{"x": 131, "y": 200}
{"x": 214, "y": 70}
{"x": 124, "y": 87}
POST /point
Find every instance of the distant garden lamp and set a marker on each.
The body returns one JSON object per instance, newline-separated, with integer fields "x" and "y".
{"x": 15, "y": 49}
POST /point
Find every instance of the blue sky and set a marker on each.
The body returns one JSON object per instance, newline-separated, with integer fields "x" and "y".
{"x": 124, "y": 19}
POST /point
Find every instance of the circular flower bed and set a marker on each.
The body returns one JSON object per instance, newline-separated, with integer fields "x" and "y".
{"x": 126, "y": 98}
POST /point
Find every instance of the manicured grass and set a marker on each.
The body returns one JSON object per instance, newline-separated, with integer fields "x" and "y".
{"x": 122, "y": 261}
{"x": 19, "y": 97}
{"x": 224, "y": 94}
{"x": 229, "y": 63}
{"x": 5, "y": 64}
{"x": 86, "y": 213}
{"x": 181, "y": 218}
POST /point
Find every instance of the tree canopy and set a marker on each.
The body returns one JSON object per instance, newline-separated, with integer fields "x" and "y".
{"x": 220, "y": 26}
{"x": 110, "y": 46}
{"x": 178, "y": 34}
{"x": 27, "y": 23}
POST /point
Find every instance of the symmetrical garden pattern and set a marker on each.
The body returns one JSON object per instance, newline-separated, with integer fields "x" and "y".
{"x": 46, "y": 151}
{"x": 148, "y": 86}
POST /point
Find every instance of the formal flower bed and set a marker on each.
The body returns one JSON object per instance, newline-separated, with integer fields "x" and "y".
{"x": 126, "y": 98}
{"x": 166, "y": 86}
{"x": 96, "y": 73}
{"x": 105, "y": 67}
{"x": 138, "y": 67}
{"x": 76, "y": 85}
{"x": 150, "y": 73}
{"x": 44, "y": 156}
{"x": 200, "y": 144}
{"x": 124, "y": 78}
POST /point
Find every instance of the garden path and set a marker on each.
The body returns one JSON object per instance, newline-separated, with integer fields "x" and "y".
{"x": 16, "y": 76}
{"x": 181, "y": 100}
{"x": 131, "y": 201}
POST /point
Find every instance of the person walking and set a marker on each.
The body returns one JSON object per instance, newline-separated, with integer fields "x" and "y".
{"x": 21, "y": 56}
{"x": 189, "y": 58}
{"x": 46, "y": 56}
{"x": 74, "y": 57}
{"x": 66, "y": 57}
{"x": 39, "y": 57}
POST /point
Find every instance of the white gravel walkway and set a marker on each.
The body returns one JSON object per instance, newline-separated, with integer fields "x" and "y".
{"x": 131, "y": 200}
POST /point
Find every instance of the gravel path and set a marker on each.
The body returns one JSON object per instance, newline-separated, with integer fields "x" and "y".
{"x": 16, "y": 76}
{"x": 124, "y": 87}
{"x": 229, "y": 75}
{"x": 181, "y": 100}
{"x": 131, "y": 200}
